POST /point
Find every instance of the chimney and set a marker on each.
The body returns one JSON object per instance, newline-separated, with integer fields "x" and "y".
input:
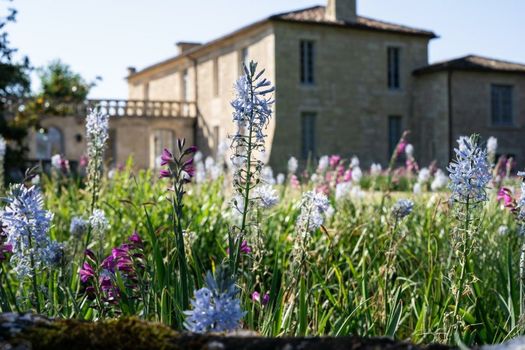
{"x": 184, "y": 46}
{"x": 131, "y": 70}
{"x": 342, "y": 10}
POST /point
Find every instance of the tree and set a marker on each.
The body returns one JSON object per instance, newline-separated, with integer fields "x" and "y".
{"x": 14, "y": 85}
{"x": 62, "y": 92}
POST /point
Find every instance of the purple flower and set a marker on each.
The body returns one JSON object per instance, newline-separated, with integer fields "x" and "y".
{"x": 164, "y": 173}
{"x": 135, "y": 239}
{"x": 5, "y": 248}
{"x": 245, "y": 248}
{"x": 266, "y": 298}
{"x": 256, "y": 297}
{"x": 86, "y": 272}
{"x": 166, "y": 157}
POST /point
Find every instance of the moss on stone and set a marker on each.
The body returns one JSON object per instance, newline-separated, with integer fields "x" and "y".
{"x": 124, "y": 333}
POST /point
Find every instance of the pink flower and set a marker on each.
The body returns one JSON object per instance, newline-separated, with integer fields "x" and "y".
{"x": 401, "y": 147}
{"x": 505, "y": 195}
{"x": 294, "y": 182}
{"x": 83, "y": 162}
{"x": 347, "y": 176}
{"x": 256, "y": 297}
{"x": 334, "y": 160}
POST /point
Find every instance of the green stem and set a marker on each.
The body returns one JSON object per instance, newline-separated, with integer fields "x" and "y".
{"x": 463, "y": 263}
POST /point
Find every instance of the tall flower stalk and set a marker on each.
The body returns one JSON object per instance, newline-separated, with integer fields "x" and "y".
{"x": 179, "y": 169}
{"x": 97, "y": 125}
{"x": 3, "y": 147}
{"x": 27, "y": 226}
{"x": 252, "y": 113}
{"x": 469, "y": 174}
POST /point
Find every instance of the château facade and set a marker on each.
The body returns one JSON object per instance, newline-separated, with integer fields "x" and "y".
{"x": 345, "y": 84}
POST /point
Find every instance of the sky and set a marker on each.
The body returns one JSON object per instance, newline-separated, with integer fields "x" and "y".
{"x": 103, "y": 37}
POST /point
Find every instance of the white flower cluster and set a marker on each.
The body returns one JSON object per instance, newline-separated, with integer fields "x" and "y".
{"x": 313, "y": 207}
{"x": 97, "y": 133}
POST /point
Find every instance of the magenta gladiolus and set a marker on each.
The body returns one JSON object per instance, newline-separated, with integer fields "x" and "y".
{"x": 166, "y": 157}
{"x": 505, "y": 195}
{"x": 164, "y": 173}
{"x": 86, "y": 272}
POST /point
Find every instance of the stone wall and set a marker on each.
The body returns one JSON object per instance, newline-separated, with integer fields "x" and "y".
{"x": 133, "y": 137}
{"x": 471, "y": 93}
{"x": 429, "y": 126}
{"x": 215, "y": 110}
{"x": 471, "y": 113}
{"x": 350, "y": 97}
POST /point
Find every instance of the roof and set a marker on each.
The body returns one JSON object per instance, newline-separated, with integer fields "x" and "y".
{"x": 473, "y": 63}
{"x": 316, "y": 15}
{"x": 311, "y": 15}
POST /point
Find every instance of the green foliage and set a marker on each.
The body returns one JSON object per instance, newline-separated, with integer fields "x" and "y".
{"x": 342, "y": 290}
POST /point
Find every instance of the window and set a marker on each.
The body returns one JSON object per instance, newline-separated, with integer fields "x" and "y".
{"x": 501, "y": 96}
{"x": 216, "y": 77}
{"x": 162, "y": 138}
{"x": 393, "y": 55}
{"x": 394, "y": 133}
{"x": 185, "y": 85}
{"x": 49, "y": 142}
{"x": 307, "y": 62}
{"x": 243, "y": 60}
{"x": 308, "y": 134}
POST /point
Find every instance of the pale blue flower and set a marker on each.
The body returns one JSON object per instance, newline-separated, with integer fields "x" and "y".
{"x": 99, "y": 223}
{"x": 216, "y": 307}
{"x": 313, "y": 206}
{"x": 78, "y": 227}
{"x": 470, "y": 173}
{"x": 265, "y": 196}
{"x": 27, "y": 225}
{"x": 252, "y": 109}
{"x": 402, "y": 208}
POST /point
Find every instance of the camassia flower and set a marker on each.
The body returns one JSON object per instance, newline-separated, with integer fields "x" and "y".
{"x": 469, "y": 173}
{"x": 402, "y": 208}
{"x": 26, "y": 224}
{"x": 215, "y": 307}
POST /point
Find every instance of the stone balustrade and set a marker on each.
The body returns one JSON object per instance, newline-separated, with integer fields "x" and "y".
{"x": 112, "y": 107}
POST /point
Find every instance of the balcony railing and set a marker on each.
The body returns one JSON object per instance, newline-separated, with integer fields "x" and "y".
{"x": 112, "y": 107}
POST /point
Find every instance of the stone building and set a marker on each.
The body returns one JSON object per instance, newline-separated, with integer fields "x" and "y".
{"x": 345, "y": 84}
